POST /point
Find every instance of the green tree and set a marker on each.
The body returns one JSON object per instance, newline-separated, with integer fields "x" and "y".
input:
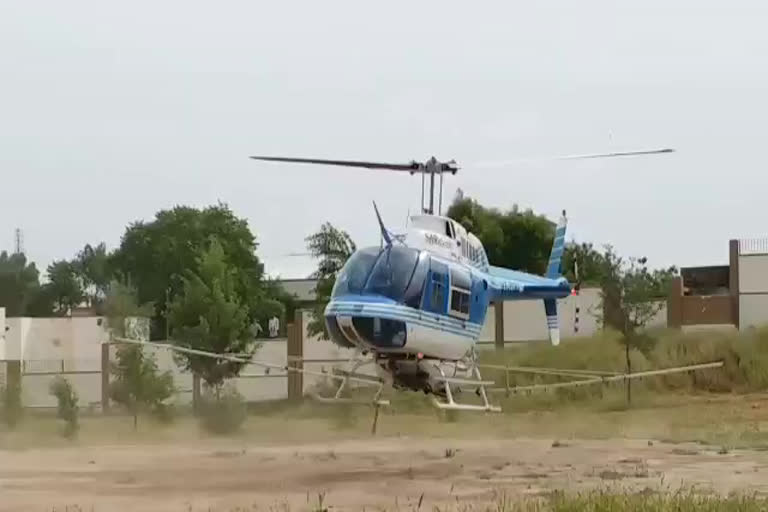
{"x": 19, "y": 284}
{"x": 332, "y": 247}
{"x": 155, "y": 256}
{"x": 631, "y": 295}
{"x": 91, "y": 267}
{"x": 209, "y": 314}
{"x": 138, "y": 384}
{"x": 64, "y": 287}
{"x": 121, "y": 305}
{"x": 514, "y": 238}
{"x": 587, "y": 259}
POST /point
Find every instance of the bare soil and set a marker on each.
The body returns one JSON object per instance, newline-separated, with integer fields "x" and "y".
{"x": 393, "y": 472}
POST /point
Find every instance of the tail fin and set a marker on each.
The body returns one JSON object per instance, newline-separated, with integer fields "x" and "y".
{"x": 553, "y": 326}
{"x": 553, "y": 267}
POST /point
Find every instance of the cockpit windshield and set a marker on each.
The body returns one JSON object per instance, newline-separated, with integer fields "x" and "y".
{"x": 354, "y": 273}
{"x": 375, "y": 271}
{"x": 392, "y": 272}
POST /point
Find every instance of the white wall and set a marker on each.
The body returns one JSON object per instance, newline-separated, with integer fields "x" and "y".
{"x": 753, "y": 274}
{"x": 526, "y": 321}
{"x": 2, "y": 334}
{"x": 256, "y": 383}
{"x": 753, "y": 311}
{"x": 38, "y": 341}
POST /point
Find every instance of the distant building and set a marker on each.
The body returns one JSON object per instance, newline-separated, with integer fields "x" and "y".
{"x": 302, "y": 289}
{"x": 729, "y": 295}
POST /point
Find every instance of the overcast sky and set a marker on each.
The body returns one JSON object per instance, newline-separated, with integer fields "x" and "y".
{"x": 110, "y": 111}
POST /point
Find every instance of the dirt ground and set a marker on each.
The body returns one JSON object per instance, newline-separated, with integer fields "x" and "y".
{"x": 392, "y": 472}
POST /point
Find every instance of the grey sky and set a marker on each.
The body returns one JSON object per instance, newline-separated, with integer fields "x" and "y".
{"x": 110, "y": 111}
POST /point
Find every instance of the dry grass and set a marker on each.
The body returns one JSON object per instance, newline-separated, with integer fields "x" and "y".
{"x": 719, "y": 406}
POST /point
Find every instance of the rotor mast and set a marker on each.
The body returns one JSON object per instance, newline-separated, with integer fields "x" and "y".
{"x": 432, "y": 167}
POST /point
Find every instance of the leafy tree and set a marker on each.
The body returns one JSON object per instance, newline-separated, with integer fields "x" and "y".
{"x": 64, "y": 287}
{"x": 91, "y": 266}
{"x": 156, "y": 256}
{"x": 67, "y": 409}
{"x": 631, "y": 295}
{"x": 587, "y": 259}
{"x": 209, "y": 314}
{"x": 514, "y": 239}
{"x": 332, "y": 247}
{"x": 120, "y": 306}
{"x": 19, "y": 283}
{"x": 138, "y": 384}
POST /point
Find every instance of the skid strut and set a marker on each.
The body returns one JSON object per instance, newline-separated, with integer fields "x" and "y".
{"x": 346, "y": 376}
{"x": 476, "y": 382}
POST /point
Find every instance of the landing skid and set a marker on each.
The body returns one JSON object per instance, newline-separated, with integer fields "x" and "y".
{"x": 475, "y": 382}
{"x": 351, "y": 375}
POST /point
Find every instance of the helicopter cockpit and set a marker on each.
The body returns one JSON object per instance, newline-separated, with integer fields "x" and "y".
{"x": 397, "y": 273}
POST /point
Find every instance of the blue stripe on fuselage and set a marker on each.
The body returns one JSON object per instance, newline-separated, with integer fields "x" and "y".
{"x": 379, "y": 307}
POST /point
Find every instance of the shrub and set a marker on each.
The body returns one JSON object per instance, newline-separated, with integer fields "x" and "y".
{"x": 11, "y": 404}
{"x": 67, "y": 405}
{"x": 224, "y": 411}
{"x": 138, "y": 383}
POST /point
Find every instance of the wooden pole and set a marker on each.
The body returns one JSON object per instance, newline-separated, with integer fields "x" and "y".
{"x": 105, "y": 377}
{"x": 375, "y": 418}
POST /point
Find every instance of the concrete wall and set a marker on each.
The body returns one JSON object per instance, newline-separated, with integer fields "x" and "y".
{"x": 753, "y": 291}
{"x": 525, "y": 320}
{"x": 753, "y": 273}
{"x": 37, "y": 341}
{"x": 753, "y": 311}
{"x": 2, "y": 334}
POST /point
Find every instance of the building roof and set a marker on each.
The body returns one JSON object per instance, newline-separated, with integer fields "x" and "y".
{"x": 302, "y": 289}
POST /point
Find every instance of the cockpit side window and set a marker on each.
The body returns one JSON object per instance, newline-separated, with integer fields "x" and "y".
{"x": 415, "y": 289}
{"x": 461, "y": 283}
{"x": 448, "y": 230}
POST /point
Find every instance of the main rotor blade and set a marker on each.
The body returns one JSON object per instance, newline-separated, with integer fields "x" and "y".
{"x": 413, "y": 166}
{"x": 621, "y": 153}
{"x": 517, "y": 161}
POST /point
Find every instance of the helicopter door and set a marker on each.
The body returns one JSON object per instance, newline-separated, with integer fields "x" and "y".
{"x": 435, "y": 298}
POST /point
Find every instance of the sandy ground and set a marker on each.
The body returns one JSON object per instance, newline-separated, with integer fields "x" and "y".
{"x": 392, "y": 472}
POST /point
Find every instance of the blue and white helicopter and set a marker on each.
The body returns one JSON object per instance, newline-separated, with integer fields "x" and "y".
{"x": 415, "y": 305}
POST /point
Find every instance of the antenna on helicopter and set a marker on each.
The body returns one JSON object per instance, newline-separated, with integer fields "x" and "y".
{"x": 384, "y": 232}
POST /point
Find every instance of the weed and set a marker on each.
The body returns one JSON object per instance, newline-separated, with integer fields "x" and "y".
{"x": 67, "y": 405}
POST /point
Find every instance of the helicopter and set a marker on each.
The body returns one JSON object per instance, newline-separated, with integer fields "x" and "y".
{"x": 415, "y": 305}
